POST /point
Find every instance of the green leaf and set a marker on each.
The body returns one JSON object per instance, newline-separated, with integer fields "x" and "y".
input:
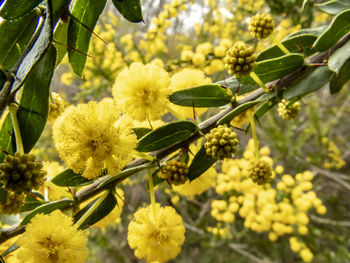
{"x": 3, "y": 195}
{"x": 310, "y": 83}
{"x": 200, "y": 163}
{"x": 13, "y": 9}
{"x": 100, "y": 212}
{"x": 38, "y": 50}
{"x": 47, "y": 208}
{"x": 33, "y": 201}
{"x": 87, "y": 12}
{"x": 166, "y": 135}
{"x": 12, "y": 248}
{"x": 338, "y": 80}
{"x": 130, "y": 9}
{"x": 265, "y": 107}
{"x": 272, "y": 69}
{"x": 295, "y": 44}
{"x": 234, "y": 85}
{"x": 59, "y": 8}
{"x": 60, "y": 38}
{"x": 339, "y": 27}
{"x": 18, "y": 33}
{"x": 34, "y": 103}
{"x": 140, "y": 132}
{"x": 339, "y": 57}
{"x": 230, "y": 116}
{"x": 334, "y": 7}
{"x": 69, "y": 178}
{"x": 7, "y": 139}
{"x": 211, "y": 95}
{"x": 125, "y": 174}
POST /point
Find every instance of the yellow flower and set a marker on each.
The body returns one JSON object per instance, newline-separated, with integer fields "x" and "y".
{"x": 94, "y": 136}
{"x": 56, "y": 106}
{"x": 142, "y": 91}
{"x": 52, "y": 238}
{"x": 188, "y": 78}
{"x": 156, "y": 238}
{"x": 198, "y": 185}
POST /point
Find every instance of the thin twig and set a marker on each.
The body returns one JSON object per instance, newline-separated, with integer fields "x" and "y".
{"x": 329, "y": 221}
{"x": 253, "y": 258}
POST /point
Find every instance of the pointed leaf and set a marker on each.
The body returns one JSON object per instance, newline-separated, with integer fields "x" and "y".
{"x": 140, "y": 132}
{"x": 69, "y": 178}
{"x": 3, "y": 195}
{"x": 339, "y": 57}
{"x": 87, "y": 12}
{"x": 234, "y": 85}
{"x": 200, "y": 163}
{"x": 212, "y": 95}
{"x": 100, "y": 212}
{"x": 60, "y": 37}
{"x": 34, "y": 103}
{"x": 339, "y": 27}
{"x": 166, "y": 135}
{"x": 272, "y": 69}
{"x": 13, "y": 9}
{"x": 18, "y": 33}
{"x": 38, "y": 50}
{"x": 130, "y": 9}
{"x": 339, "y": 80}
{"x": 47, "y": 208}
{"x": 334, "y": 7}
{"x": 242, "y": 108}
{"x": 310, "y": 83}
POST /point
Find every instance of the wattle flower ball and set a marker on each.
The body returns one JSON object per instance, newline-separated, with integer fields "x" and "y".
{"x": 93, "y": 137}
{"x": 142, "y": 91}
{"x": 52, "y": 238}
{"x": 156, "y": 235}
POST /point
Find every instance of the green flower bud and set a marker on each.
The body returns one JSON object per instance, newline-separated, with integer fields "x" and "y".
{"x": 261, "y": 26}
{"x": 175, "y": 172}
{"x": 288, "y": 112}
{"x": 260, "y": 171}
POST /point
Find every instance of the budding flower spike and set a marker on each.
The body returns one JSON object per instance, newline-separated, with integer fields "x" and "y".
{"x": 175, "y": 172}
{"x": 240, "y": 60}
{"x": 287, "y": 111}
{"x": 221, "y": 142}
{"x": 261, "y": 26}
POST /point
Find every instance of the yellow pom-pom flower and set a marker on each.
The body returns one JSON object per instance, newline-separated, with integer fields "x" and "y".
{"x": 56, "y": 106}
{"x": 93, "y": 137}
{"x": 156, "y": 238}
{"x": 188, "y": 78}
{"x": 52, "y": 238}
{"x": 142, "y": 91}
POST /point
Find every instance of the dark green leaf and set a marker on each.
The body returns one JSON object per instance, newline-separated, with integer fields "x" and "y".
{"x": 338, "y": 80}
{"x": 140, "y": 132}
{"x": 18, "y": 33}
{"x": 87, "y": 12}
{"x": 33, "y": 202}
{"x": 200, "y": 163}
{"x": 34, "y": 102}
{"x": 307, "y": 31}
{"x": 311, "y": 82}
{"x": 60, "y": 38}
{"x": 234, "y": 85}
{"x": 125, "y": 174}
{"x": 59, "y": 9}
{"x": 265, "y": 107}
{"x": 7, "y": 139}
{"x": 12, "y": 248}
{"x": 130, "y": 9}
{"x": 38, "y": 50}
{"x": 47, "y": 208}
{"x": 69, "y": 178}
{"x": 166, "y": 135}
{"x": 339, "y": 27}
{"x": 212, "y": 95}
{"x": 230, "y": 116}
{"x": 3, "y": 195}
{"x": 334, "y": 7}
{"x": 272, "y": 69}
{"x": 339, "y": 57}
{"x": 13, "y": 9}
{"x": 296, "y": 44}
{"x": 100, "y": 212}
